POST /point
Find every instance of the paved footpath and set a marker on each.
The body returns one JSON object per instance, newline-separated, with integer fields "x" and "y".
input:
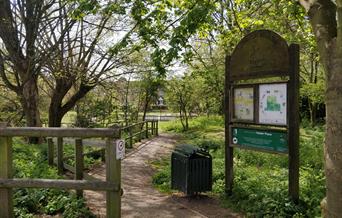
{"x": 140, "y": 199}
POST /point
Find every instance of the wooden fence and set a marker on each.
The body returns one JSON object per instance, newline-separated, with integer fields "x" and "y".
{"x": 139, "y": 131}
{"x": 131, "y": 134}
{"x": 112, "y": 185}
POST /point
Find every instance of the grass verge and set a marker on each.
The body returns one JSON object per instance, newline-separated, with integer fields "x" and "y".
{"x": 261, "y": 179}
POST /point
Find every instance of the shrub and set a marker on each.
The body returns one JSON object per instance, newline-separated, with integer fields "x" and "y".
{"x": 30, "y": 162}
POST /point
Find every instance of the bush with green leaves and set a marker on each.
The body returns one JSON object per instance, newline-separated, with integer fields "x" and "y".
{"x": 30, "y": 162}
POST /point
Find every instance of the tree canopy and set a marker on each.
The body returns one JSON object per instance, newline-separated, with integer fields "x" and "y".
{"x": 54, "y": 53}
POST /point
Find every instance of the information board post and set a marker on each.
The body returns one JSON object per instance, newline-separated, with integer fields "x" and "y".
{"x": 229, "y": 176}
{"x": 294, "y": 123}
{"x": 263, "y": 116}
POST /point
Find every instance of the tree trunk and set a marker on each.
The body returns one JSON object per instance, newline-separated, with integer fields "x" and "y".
{"x": 146, "y": 103}
{"x": 184, "y": 118}
{"x": 181, "y": 117}
{"x": 55, "y": 116}
{"x": 186, "y": 122}
{"x": 325, "y": 17}
{"x": 57, "y": 109}
{"x": 333, "y": 139}
{"x": 29, "y": 99}
{"x": 313, "y": 113}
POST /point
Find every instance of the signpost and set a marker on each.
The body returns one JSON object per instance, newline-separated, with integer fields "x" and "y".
{"x": 263, "y": 116}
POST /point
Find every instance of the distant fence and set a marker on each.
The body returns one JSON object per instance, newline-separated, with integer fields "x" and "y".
{"x": 164, "y": 117}
{"x": 139, "y": 131}
{"x": 131, "y": 134}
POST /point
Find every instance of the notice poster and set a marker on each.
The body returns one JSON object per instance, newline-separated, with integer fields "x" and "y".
{"x": 273, "y": 104}
{"x": 244, "y": 104}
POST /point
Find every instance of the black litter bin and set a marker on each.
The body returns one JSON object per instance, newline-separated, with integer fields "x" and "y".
{"x": 191, "y": 169}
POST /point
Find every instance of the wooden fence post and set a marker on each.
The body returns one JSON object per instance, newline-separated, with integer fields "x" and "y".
{"x": 130, "y": 137}
{"x": 6, "y": 207}
{"x": 60, "y": 166}
{"x": 79, "y": 163}
{"x": 51, "y": 151}
{"x": 152, "y": 127}
{"x": 157, "y": 128}
{"x": 113, "y": 175}
{"x": 103, "y": 154}
{"x": 139, "y": 133}
{"x": 146, "y": 123}
{"x": 142, "y": 131}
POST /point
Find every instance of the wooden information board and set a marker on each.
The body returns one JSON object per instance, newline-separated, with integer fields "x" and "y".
{"x": 263, "y": 116}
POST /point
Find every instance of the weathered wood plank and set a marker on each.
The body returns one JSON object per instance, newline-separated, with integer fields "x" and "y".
{"x": 60, "y": 155}
{"x": 248, "y": 62}
{"x": 113, "y": 175}
{"x": 130, "y": 138}
{"x": 133, "y": 125}
{"x": 138, "y": 135}
{"x": 157, "y": 126}
{"x": 60, "y": 184}
{"x": 51, "y": 151}
{"x": 79, "y": 163}
{"x": 294, "y": 123}
{"x": 59, "y": 132}
{"x": 153, "y": 126}
{"x": 229, "y": 175}
{"x": 6, "y": 207}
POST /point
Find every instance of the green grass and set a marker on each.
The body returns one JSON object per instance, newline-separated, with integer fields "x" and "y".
{"x": 89, "y": 160}
{"x": 260, "y": 179}
{"x": 30, "y": 162}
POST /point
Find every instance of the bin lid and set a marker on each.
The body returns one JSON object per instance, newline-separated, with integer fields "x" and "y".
{"x": 189, "y": 150}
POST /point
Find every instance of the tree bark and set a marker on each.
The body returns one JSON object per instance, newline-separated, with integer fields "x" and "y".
{"x": 326, "y": 20}
{"x": 313, "y": 112}
{"x": 21, "y": 58}
{"x": 333, "y": 138}
{"x": 57, "y": 109}
{"x": 55, "y": 116}
{"x": 29, "y": 101}
{"x": 148, "y": 96}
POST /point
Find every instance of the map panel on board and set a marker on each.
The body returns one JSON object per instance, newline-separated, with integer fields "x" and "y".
{"x": 244, "y": 104}
{"x": 273, "y": 104}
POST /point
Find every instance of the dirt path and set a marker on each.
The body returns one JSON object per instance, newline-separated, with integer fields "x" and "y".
{"x": 140, "y": 199}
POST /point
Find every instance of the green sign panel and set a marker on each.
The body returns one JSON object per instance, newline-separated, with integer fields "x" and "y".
{"x": 270, "y": 140}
